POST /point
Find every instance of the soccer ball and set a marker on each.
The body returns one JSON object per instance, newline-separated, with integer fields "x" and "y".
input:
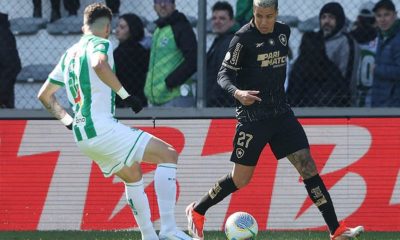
{"x": 241, "y": 226}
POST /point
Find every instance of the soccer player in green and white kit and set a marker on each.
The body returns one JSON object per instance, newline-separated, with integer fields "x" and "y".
{"x": 86, "y": 71}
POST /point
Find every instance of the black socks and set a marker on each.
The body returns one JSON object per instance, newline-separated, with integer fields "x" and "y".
{"x": 221, "y": 189}
{"x": 319, "y": 195}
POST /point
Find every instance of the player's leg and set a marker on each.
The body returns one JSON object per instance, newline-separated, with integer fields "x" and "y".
{"x": 118, "y": 152}
{"x": 228, "y": 184}
{"x": 137, "y": 199}
{"x": 293, "y": 144}
{"x": 165, "y": 156}
{"x": 248, "y": 144}
{"x": 238, "y": 178}
{"x": 318, "y": 193}
{"x": 316, "y": 188}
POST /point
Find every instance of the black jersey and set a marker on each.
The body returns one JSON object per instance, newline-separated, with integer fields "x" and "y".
{"x": 257, "y": 61}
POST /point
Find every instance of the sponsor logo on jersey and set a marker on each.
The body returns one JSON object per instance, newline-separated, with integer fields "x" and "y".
{"x": 283, "y": 39}
{"x": 236, "y": 53}
{"x": 272, "y": 59}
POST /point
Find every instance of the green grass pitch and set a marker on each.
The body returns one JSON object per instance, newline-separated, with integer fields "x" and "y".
{"x": 215, "y": 235}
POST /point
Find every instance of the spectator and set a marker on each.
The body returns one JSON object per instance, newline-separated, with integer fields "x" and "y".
{"x": 10, "y": 64}
{"x": 386, "y": 86}
{"x": 172, "y": 58}
{"x": 364, "y": 32}
{"x": 114, "y": 6}
{"x": 244, "y": 11}
{"x": 340, "y": 47}
{"x": 131, "y": 58}
{"x": 71, "y": 6}
{"x": 314, "y": 80}
{"x": 222, "y": 24}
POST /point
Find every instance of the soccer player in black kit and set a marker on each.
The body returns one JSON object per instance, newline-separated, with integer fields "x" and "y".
{"x": 254, "y": 71}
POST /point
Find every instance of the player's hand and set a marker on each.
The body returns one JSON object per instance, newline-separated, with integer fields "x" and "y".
{"x": 247, "y": 97}
{"x": 69, "y": 126}
{"x": 134, "y": 103}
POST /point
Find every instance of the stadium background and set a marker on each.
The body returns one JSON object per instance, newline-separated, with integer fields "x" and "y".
{"x": 357, "y": 149}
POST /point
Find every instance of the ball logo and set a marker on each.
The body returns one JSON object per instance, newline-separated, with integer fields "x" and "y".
{"x": 239, "y": 152}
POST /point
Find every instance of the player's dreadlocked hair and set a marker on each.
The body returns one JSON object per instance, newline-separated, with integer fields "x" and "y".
{"x": 95, "y": 11}
{"x": 266, "y": 3}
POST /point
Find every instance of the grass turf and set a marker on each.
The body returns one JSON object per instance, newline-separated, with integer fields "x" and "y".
{"x": 215, "y": 235}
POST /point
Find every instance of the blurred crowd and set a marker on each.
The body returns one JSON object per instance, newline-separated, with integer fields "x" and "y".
{"x": 342, "y": 64}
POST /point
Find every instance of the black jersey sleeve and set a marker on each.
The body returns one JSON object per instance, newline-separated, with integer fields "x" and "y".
{"x": 230, "y": 65}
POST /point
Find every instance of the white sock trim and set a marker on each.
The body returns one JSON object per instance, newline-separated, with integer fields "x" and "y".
{"x": 135, "y": 184}
{"x": 167, "y": 165}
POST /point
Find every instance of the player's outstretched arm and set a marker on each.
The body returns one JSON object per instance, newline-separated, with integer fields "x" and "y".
{"x": 49, "y": 101}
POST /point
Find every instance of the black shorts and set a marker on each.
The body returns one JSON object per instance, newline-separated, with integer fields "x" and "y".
{"x": 284, "y": 134}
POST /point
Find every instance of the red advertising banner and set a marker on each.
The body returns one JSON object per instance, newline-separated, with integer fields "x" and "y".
{"x": 47, "y": 184}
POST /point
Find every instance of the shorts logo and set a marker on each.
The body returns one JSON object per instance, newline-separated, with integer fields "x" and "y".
{"x": 283, "y": 39}
{"x": 239, "y": 152}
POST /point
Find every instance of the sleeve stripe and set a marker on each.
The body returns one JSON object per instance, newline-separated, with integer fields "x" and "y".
{"x": 53, "y": 81}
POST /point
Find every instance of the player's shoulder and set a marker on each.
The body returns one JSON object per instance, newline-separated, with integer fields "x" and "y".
{"x": 281, "y": 27}
{"x": 99, "y": 40}
{"x": 245, "y": 31}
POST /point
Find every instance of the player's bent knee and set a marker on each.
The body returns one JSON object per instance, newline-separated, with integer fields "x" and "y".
{"x": 171, "y": 156}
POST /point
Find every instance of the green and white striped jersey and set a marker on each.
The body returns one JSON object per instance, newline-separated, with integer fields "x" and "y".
{"x": 92, "y": 100}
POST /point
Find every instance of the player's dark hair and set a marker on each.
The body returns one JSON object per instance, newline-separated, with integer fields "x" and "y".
{"x": 223, "y": 6}
{"x": 95, "y": 11}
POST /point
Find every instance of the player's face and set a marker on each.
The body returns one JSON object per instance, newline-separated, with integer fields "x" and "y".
{"x": 122, "y": 31}
{"x": 328, "y": 23}
{"x": 385, "y": 18}
{"x": 221, "y": 22}
{"x": 164, "y": 8}
{"x": 265, "y": 18}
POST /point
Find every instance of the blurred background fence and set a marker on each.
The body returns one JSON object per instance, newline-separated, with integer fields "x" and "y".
{"x": 42, "y": 37}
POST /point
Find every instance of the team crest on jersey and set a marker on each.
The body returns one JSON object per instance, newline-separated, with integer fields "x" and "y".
{"x": 283, "y": 39}
{"x": 164, "y": 42}
{"x": 271, "y": 42}
{"x": 239, "y": 152}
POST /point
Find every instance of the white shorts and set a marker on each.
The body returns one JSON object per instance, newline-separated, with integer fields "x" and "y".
{"x": 119, "y": 147}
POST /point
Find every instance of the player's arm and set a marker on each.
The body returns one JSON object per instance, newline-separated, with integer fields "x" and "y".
{"x": 228, "y": 72}
{"x": 103, "y": 70}
{"x": 49, "y": 101}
